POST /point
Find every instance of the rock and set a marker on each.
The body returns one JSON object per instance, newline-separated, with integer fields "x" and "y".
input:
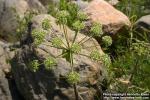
{"x": 4, "y": 87}
{"x": 113, "y": 2}
{"x": 8, "y": 11}
{"x": 51, "y": 85}
{"x": 102, "y": 12}
{"x": 81, "y": 4}
{"x": 143, "y": 22}
{"x": 8, "y": 90}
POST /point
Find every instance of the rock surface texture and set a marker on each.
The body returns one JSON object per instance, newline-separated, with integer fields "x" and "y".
{"x": 102, "y": 12}
{"x": 144, "y": 22}
{"x": 8, "y": 11}
{"x": 8, "y": 90}
{"x": 51, "y": 85}
{"x": 4, "y": 86}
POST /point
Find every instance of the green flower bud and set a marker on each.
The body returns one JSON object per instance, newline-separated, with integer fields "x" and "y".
{"x": 105, "y": 60}
{"x": 107, "y": 40}
{"x": 77, "y": 26}
{"x": 34, "y": 65}
{"x": 95, "y": 55}
{"x": 46, "y": 24}
{"x": 38, "y": 36}
{"x": 62, "y": 17}
{"x": 82, "y": 16}
{"x": 49, "y": 63}
{"x": 73, "y": 77}
{"x": 57, "y": 42}
{"x": 76, "y": 48}
{"x": 96, "y": 30}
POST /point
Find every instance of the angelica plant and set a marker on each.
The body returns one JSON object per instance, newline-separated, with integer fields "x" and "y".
{"x": 70, "y": 48}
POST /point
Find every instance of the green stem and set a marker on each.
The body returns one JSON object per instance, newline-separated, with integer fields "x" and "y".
{"x": 86, "y": 40}
{"x": 76, "y": 33}
{"x": 82, "y": 39}
{"x": 66, "y": 36}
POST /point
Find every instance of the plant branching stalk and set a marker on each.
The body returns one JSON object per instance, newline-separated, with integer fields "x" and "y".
{"x": 86, "y": 40}
{"x": 66, "y": 36}
{"x": 82, "y": 39}
{"x": 76, "y": 33}
{"x": 74, "y": 85}
{"x": 76, "y": 91}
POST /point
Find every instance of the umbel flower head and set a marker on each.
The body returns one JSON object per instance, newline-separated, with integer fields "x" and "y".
{"x": 38, "y": 36}
{"x": 105, "y": 60}
{"x": 82, "y": 16}
{"x": 57, "y": 42}
{"x": 73, "y": 77}
{"x": 95, "y": 55}
{"x": 107, "y": 40}
{"x": 96, "y": 30}
{"x": 62, "y": 16}
{"x": 46, "y": 24}
{"x": 78, "y": 25}
{"x": 49, "y": 63}
{"x": 34, "y": 65}
{"x": 76, "y": 48}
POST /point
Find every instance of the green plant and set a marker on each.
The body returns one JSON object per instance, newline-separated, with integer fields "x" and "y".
{"x": 73, "y": 77}
{"x": 107, "y": 40}
{"x": 96, "y": 30}
{"x": 49, "y": 63}
{"x": 23, "y": 22}
{"x": 38, "y": 36}
{"x": 65, "y": 17}
{"x": 133, "y": 7}
{"x": 34, "y": 65}
{"x": 46, "y": 24}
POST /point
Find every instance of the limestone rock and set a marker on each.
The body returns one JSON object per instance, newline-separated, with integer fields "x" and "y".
{"x": 144, "y": 22}
{"x": 8, "y": 11}
{"x": 102, "y": 12}
{"x": 8, "y": 90}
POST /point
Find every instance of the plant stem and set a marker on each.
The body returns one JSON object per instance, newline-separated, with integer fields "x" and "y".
{"x": 76, "y": 91}
{"x": 76, "y": 33}
{"x": 86, "y": 40}
{"x": 82, "y": 39}
{"x": 66, "y": 36}
{"x": 74, "y": 85}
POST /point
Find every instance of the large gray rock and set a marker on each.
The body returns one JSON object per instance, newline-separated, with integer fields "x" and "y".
{"x": 144, "y": 22}
{"x": 8, "y": 90}
{"x": 4, "y": 86}
{"x": 51, "y": 85}
{"x": 8, "y": 11}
